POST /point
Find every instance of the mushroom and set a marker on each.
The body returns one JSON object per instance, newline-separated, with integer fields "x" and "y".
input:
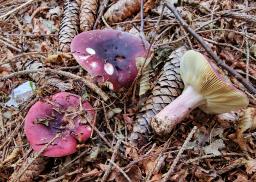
{"x": 58, "y": 115}
{"x": 204, "y": 88}
{"x": 110, "y": 56}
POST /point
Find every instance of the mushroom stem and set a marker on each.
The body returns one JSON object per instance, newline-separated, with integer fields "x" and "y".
{"x": 176, "y": 111}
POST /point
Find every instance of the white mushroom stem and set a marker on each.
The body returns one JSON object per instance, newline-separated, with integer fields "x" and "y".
{"x": 176, "y": 111}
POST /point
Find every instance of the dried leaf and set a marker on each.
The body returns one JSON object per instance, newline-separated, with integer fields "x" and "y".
{"x": 145, "y": 81}
{"x": 112, "y": 112}
{"x": 57, "y": 58}
{"x": 122, "y": 10}
{"x": 214, "y": 147}
{"x": 156, "y": 177}
{"x": 149, "y": 164}
{"x": 250, "y": 166}
{"x": 148, "y": 6}
{"x": 15, "y": 153}
{"x": 241, "y": 178}
{"x": 134, "y": 173}
{"x": 247, "y": 121}
{"x": 88, "y": 13}
{"x": 69, "y": 25}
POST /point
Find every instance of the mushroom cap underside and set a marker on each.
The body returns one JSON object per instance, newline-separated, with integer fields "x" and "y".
{"x": 220, "y": 96}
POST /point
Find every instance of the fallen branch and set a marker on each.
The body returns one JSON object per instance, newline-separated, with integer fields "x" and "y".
{"x": 176, "y": 160}
{"x": 89, "y": 84}
{"x": 218, "y": 61}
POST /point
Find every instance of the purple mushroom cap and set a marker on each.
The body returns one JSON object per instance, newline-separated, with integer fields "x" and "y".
{"x": 47, "y": 118}
{"x": 109, "y": 55}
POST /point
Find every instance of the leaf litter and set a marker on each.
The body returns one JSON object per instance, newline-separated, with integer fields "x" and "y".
{"x": 29, "y": 39}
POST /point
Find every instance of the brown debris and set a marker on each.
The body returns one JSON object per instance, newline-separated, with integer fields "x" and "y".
{"x": 29, "y": 46}
{"x": 88, "y": 13}
{"x": 37, "y": 166}
{"x": 122, "y": 10}
{"x": 69, "y": 24}
{"x": 246, "y": 122}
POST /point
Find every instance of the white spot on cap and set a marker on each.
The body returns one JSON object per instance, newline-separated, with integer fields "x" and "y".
{"x": 90, "y": 51}
{"x": 94, "y": 64}
{"x": 109, "y": 68}
{"x": 84, "y": 58}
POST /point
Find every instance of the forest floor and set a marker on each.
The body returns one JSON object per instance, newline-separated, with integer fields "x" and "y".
{"x": 204, "y": 148}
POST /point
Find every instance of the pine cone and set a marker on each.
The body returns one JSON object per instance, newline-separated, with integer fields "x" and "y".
{"x": 88, "y": 14}
{"x": 34, "y": 169}
{"x": 69, "y": 24}
{"x": 168, "y": 87}
{"x": 122, "y": 10}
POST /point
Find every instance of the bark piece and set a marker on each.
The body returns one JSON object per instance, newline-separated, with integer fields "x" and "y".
{"x": 169, "y": 85}
{"x": 69, "y": 24}
{"x": 88, "y": 13}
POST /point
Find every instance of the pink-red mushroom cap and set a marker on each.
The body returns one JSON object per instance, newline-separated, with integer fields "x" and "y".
{"x": 58, "y": 115}
{"x": 204, "y": 88}
{"x": 109, "y": 55}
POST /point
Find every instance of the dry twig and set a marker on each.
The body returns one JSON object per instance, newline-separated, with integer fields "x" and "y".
{"x": 176, "y": 160}
{"x": 113, "y": 157}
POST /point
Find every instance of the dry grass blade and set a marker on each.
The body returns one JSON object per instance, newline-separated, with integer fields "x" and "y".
{"x": 69, "y": 25}
{"x": 88, "y": 13}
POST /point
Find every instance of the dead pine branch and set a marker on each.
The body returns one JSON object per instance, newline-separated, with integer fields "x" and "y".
{"x": 248, "y": 85}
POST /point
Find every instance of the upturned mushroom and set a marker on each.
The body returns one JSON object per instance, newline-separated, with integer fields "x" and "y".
{"x": 58, "y": 115}
{"x": 204, "y": 88}
{"x": 110, "y": 56}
